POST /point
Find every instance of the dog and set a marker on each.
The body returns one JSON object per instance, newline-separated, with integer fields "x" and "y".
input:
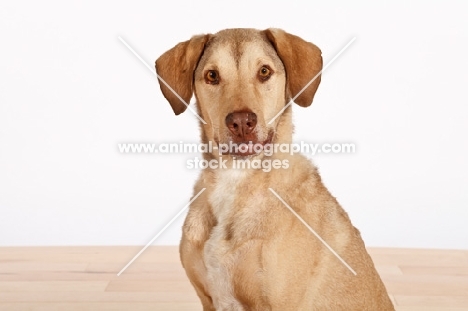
{"x": 241, "y": 247}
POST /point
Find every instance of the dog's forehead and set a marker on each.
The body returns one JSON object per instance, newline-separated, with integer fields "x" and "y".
{"x": 236, "y": 44}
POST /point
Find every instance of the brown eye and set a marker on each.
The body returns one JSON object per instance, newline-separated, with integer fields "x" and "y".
{"x": 265, "y": 73}
{"x": 212, "y": 77}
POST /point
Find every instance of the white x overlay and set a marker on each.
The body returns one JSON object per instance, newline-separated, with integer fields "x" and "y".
{"x": 271, "y": 190}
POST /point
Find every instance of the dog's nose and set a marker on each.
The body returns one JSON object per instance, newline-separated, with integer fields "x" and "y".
{"x": 241, "y": 124}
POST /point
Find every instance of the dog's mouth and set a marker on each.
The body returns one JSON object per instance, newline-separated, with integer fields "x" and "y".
{"x": 244, "y": 148}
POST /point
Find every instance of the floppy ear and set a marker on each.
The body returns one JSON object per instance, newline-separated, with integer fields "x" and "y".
{"x": 176, "y": 68}
{"x": 302, "y": 61}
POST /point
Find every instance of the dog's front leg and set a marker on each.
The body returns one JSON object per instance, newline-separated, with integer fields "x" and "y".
{"x": 196, "y": 231}
{"x": 191, "y": 254}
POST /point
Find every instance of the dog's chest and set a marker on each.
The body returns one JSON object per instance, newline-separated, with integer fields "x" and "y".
{"x": 224, "y": 193}
{"x": 218, "y": 255}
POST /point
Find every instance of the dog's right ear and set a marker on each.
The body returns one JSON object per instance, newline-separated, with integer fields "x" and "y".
{"x": 176, "y": 67}
{"x": 302, "y": 61}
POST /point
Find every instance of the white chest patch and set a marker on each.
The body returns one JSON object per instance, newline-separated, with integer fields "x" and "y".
{"x": 217, "y": 259}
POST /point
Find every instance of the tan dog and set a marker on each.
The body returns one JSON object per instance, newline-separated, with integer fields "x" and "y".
{"x": 242, "y": 248}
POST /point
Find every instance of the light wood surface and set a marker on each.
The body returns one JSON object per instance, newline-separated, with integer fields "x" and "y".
{"x": 85, "y": 278}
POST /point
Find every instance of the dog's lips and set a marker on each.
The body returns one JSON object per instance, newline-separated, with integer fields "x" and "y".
{"x": 250, "y": 151}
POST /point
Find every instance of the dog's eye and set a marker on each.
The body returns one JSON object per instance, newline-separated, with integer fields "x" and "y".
{"x": 212, "y": 77}
{"x": 265, "y": 73}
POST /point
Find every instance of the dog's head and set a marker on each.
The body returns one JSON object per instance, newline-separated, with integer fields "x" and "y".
{"x": 242, "y": 78}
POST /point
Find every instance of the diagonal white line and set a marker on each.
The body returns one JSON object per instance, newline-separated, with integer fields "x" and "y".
{"x": 161, "y": 79}
{"x": 160, "y": 232}
{"x": 313, "y": 79}
{"x": 313, "y": 231}
{"x": 138, "y": 56}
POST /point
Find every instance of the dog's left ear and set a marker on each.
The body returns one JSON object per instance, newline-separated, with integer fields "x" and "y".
{"x": 176, "y": 67}
{"x": 302, "y": 61}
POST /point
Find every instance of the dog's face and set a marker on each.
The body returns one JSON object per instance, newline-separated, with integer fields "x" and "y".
{"x": 240, "y": 84}
{"x": 241, "y": 79}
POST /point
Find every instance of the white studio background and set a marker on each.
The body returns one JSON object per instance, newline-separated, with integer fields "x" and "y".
{"x": 70, "y": 91}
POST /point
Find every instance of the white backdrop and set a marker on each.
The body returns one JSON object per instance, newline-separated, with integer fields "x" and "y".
{"x": 70, "y": 91}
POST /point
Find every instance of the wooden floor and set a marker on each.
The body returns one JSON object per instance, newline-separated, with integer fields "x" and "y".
{"x": 85, "y": 278}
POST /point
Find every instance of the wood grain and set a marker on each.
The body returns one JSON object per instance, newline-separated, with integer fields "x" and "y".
{"x": 85, "y": 278}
